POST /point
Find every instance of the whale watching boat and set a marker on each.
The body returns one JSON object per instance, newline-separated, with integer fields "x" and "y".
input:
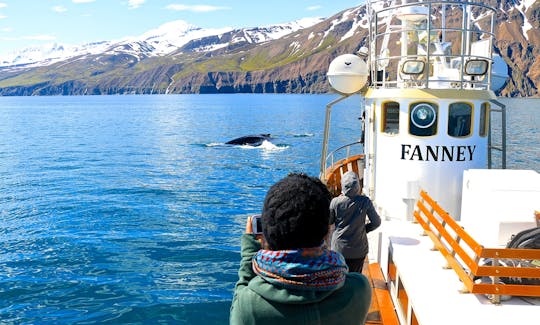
{"x": 431, "y": 153}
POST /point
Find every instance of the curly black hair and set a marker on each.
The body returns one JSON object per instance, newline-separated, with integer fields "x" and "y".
{"x": 296, "y": 213}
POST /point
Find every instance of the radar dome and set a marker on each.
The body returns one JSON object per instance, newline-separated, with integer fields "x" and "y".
{"x": 499, "y": 73}
{"x": 347, "y": 73}
{"x": 413, "y": 13}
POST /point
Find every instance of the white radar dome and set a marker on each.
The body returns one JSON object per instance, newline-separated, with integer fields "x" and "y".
{"x": 348, "y": 73}
{"x": 413, "y": 13}
{"x": 499, "y": 73}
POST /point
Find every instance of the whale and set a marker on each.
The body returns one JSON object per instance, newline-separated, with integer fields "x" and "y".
{"x": 251, "y": 140}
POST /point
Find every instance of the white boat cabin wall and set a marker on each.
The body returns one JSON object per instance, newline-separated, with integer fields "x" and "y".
{"x": 427, "y": 108}
{"x": 422, "y": 143}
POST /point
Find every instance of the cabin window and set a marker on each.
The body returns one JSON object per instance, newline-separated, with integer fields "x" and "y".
{"x": 390, "y": 118}
{"x": 423, "y": 119}
{"x": 484, "y": 119}
{"x": 459, "y": 120}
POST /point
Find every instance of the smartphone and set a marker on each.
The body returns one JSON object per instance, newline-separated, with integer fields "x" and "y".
{"x": 256, "y": 224}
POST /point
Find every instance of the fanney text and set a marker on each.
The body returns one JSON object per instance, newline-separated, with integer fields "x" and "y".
{"x": 437, "y": 153}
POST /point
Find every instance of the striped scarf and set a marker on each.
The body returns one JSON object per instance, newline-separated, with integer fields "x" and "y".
{"x": 305, "y": 268}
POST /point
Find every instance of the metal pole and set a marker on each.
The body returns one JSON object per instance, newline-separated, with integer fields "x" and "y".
{"x": 327, "y": 133}
{"x": 503, "y": 144}
{"x": 491, "y": 36}
{"x": 428, "y": 48}
{"x": 490, "y": 148}
{"x": 443, "y": 32}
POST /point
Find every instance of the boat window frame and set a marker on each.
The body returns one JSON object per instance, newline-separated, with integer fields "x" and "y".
{"x": 433, "y": 127}
{"x": 483, "y": 126}
{"x": 450, "y": 119}
{"x": 385, "y": 117}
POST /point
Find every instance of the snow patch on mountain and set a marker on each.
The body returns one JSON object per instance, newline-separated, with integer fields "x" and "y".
{"x": 173, "y": 35}
{"x": 278, "y": 31}
{"x": 334, "y": 23}
{"x": 357, "y": 22}
{"x": 50, "y": 53}
{"x": 522, "y": 7}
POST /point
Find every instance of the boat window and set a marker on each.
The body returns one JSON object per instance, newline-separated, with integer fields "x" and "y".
{"x": 390, "y": 117}
{"x": 484, "y": 119}
{"x": 423, "y": 119}
{"x": 459, "y": 120}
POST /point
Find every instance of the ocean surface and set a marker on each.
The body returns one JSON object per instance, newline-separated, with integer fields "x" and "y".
{"x": 129, "y": 209}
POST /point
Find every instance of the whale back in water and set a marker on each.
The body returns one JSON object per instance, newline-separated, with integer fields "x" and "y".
{"x": 252, "y": 140}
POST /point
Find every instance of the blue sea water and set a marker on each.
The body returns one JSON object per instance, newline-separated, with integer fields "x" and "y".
{"x": 129, "y": 209}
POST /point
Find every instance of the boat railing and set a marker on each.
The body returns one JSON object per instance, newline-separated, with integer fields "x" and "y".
{"x": 415, "y": 45}
{"x": 500, "y": 146}
{"x": 473, "y": 262}
{"x": 341, "y": 160}
{"x": 343, "y": 152}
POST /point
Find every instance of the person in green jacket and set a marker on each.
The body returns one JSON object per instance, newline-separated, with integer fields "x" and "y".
{"x": 295, "y": 279}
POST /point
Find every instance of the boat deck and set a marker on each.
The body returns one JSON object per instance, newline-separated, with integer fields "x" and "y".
{"x": 423, "y": 284}
{"x": 381, "y": 310}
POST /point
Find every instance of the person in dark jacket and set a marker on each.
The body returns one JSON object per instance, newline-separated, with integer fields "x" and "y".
{"x": 348, "y": 214}
{"x": 295, "y": 279}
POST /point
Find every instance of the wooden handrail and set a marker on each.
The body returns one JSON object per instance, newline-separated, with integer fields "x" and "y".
{"x": 505, "y": 271}
{"x": 520, "y": 253}
{"x": 454, "y": 242}
{"x": 473, "y": 244}
{"x": 448, "y": 238}
{"x": 334, "y": 172}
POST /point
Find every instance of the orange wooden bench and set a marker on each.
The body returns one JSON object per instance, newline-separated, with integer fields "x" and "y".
{"x": 465, "y": 256}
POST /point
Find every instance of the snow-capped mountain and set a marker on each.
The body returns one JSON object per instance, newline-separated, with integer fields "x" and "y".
{"x": 178, "y": 58}
{"x": 163, "y": 40}
{"x": 50, "y": 53}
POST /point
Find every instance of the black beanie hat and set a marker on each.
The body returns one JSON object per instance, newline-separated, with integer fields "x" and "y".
{"x": 296, "y": 213}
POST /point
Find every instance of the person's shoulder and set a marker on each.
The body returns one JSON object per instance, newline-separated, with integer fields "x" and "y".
{"x": 357, "y": 279}
{"x": 363, "y": 199}
{"x": 340, "y": 198}
{"x": 356, "y": 286}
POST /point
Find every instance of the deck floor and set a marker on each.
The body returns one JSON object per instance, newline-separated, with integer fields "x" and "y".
{"x": 381, "y": 310}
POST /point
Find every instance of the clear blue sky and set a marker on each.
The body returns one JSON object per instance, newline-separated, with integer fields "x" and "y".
{"x": 25, "y": 23}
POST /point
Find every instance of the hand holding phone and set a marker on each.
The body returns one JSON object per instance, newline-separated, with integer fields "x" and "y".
{"x": 256, "y": 224}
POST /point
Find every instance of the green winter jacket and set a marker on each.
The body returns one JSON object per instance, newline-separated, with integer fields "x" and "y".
{"x": 256, "y": 301}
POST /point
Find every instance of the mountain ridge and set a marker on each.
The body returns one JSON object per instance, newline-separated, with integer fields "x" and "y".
{"x": 159, "y": 41}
